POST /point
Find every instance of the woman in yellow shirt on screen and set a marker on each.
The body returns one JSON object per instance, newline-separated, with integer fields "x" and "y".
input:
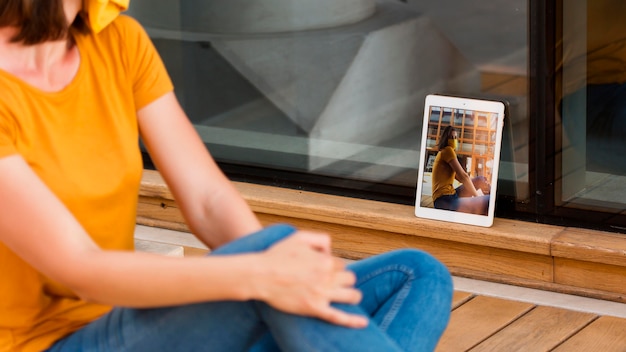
{"x": 472, "y": 196}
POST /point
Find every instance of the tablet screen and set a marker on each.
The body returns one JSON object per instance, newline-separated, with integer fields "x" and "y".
{"x": 459, "y": 159}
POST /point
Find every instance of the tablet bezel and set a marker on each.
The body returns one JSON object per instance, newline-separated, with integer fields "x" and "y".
{"x": 477, "y": 105}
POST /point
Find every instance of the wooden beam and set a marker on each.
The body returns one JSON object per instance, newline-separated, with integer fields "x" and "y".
{"x": 568, "y": 260}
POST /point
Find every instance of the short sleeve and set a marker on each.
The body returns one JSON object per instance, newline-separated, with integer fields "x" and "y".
{"x": 7, "y": 133}
{"x": 448, "y": 154}
{"x": 150, "y": 79}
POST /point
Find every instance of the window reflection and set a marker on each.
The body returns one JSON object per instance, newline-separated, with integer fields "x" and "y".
{"x": 592, "y": 82}
{"x": 337, "y": 87}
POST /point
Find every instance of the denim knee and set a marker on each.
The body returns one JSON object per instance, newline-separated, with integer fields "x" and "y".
{"x": 424, "y": 265}
{"x": 258, "y": 241}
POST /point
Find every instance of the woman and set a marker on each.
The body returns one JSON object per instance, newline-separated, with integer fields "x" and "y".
{"x": 75, "y": 99}
{"x": 446, "y": 169}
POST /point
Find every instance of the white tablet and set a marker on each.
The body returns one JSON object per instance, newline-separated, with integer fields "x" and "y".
{"x": 459, "y": 160}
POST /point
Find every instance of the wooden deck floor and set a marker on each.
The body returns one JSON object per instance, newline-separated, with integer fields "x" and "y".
{"x": 481, "y": 323}
{"x": 484, "y": 323}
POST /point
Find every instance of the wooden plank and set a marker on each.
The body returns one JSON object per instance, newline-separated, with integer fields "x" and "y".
{"x": 195, "y": 252}
{"x": 591, "y": 246}
{"x": 542, "y": 285}
{"x": 170, "y": 225}
{"x": 170, "y": 250}
{"x": 476, "y": 320}
{"x": 609, "y": 278}
{"x": 607, "y": 334}
{"x": 153, "y": 185}
{"x": 180, "y": 238}
{"x": 460, "y": 298}
{"x": 397, "y": 218}
{"x": 513, "y": 252}
{"x": 541, "y": 329}
{"x": 161, "y": 209}
{"x": 505, "y": 233}
{"x": 358, "y": 243}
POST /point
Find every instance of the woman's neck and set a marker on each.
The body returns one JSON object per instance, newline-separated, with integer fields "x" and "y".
{"x": 49, "y": 66}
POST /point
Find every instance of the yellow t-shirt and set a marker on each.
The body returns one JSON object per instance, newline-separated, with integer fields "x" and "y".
{"x": 443, "y": 174}
{"x": 83, "y": 143}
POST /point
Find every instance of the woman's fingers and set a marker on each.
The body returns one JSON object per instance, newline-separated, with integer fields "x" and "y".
{"x": 305, "y": 279}
{"x": 344, "y": 278}
{"x": 317, "y": 241}
{"x": 339, "y": 263}
{"x": 345, "y": 295}
{"x": 339, "y": 317}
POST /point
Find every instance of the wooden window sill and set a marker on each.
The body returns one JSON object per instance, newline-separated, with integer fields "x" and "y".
{"x": 562, "y": 259}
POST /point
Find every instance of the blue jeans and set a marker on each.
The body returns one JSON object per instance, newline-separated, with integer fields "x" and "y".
{"x": 447, "y": 202}
{"x": 407, "y": 293}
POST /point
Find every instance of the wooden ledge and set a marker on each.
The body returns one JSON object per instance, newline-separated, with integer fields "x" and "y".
{"x": 585, "y": 262}
{"x": 592, "y": 246}
{"x": 374, "y": 215}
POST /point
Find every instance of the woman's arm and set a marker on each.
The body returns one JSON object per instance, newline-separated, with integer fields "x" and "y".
{"x": 297, "y": 275}
{"x": 463, "y": 177}
{"x": 211, "y": 206}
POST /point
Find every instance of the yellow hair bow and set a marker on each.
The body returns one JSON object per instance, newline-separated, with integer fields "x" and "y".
{"x": 102, "y": 12}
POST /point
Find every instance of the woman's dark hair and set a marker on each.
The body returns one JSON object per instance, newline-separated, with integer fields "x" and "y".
{"x": 38, "y": 20}
{"x": 445, "y": 135}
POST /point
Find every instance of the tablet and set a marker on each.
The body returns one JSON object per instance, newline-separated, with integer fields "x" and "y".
{"x": 459, "y": 160}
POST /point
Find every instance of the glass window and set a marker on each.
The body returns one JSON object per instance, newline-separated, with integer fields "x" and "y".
{"x": 591, "y": 106}
{"x": 337, "y": 87}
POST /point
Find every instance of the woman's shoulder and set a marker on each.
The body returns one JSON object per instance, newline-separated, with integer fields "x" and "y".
{"x": 121, "y": 29}
{"x": 124, "y": 35}
{"x": 448, "y": 153}
{"x": 126, "y": 21}
{"x": 124, "y": 25}
{"x": 447, "y": 149}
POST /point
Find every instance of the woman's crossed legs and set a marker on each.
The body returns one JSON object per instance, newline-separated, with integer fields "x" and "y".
{"x": 406, "y": 293}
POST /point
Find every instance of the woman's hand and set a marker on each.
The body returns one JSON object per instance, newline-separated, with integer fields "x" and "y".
{"x": 481, "y": 184}
{"x": 302, "y": 277}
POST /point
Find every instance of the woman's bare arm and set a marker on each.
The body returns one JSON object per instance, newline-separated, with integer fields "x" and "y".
{"x": 211, "y": 206}
{"x": 297, "y": 275}
{"x": 463, "y": 177}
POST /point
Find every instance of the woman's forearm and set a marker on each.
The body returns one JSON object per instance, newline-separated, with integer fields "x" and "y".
{"x": 296, "y": 275}
{"x": 469, "y": 185}
{"x": 210, "y": 204}
{"x": 221, "y": 216}
{"x": 136, "y": 279}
